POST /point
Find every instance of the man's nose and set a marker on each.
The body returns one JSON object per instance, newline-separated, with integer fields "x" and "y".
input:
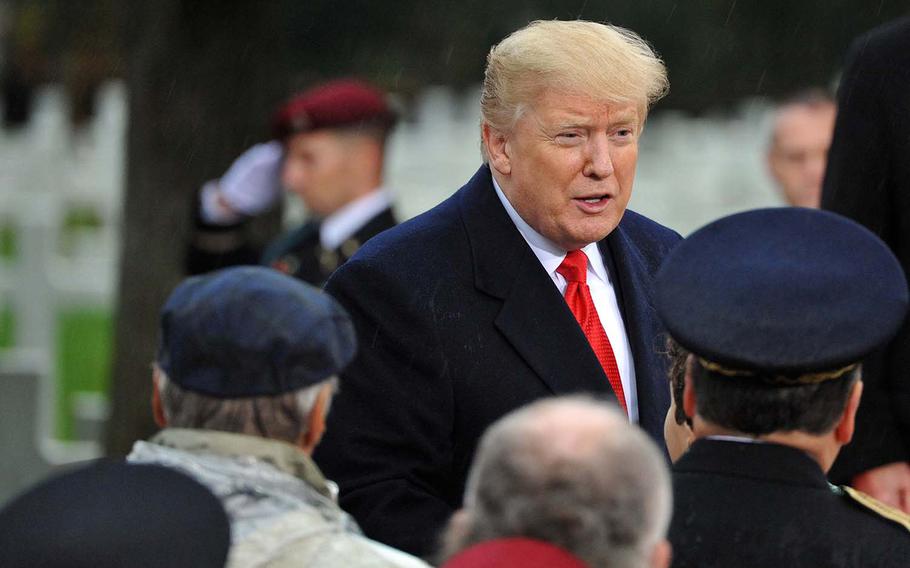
{"x": 599, "y": 162}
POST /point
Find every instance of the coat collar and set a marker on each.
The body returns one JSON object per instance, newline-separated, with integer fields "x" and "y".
{"x": 283, "y": 456}
{"x": 764, "y": 461}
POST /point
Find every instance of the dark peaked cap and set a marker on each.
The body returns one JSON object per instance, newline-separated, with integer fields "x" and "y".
{"x": 786, "y": 291}
{"x": 112, "y": 514}
{"x": 252, "y": 331}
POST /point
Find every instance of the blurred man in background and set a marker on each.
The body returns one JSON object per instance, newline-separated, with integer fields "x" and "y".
{"x": 798, "y": 149}
{"x": 868, "y": 179}
{"x": 778, "y": 306}
{"x": 242, "y": 384}
{"x": 110, "y": 514}
{"x": 574, "y": 473}
{"x": 329, "y": 150}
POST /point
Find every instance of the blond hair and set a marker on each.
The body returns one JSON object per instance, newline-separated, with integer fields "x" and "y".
{"x": 604, "y": 62}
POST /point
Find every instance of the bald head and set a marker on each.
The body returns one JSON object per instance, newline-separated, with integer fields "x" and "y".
{"x": 573, "y": 472}
{"x": 798, "y": 151}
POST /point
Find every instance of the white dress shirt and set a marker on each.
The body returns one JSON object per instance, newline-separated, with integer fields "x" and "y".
{"x": 551, "y": 256}
{"x": 739, "y": 439}
{"x": 342, "y": 224}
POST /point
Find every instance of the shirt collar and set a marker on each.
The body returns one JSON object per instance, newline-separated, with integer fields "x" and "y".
{"x": 549, "y": 253}
{"x": 740, "y": 439}
{"x": 341, "y": 224}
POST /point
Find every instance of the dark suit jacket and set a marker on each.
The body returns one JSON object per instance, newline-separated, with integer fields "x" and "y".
{"x": 764, "y": 505}
{"x": 459, "y": 324}
{"x": 868, "y": 179}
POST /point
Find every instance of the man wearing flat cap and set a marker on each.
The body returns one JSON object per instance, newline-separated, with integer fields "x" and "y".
{"x": 328, "y": 149}
{"x": 243, "y": 380}
{"x": 532, "y": 280}
{"x": 777, "y": 307}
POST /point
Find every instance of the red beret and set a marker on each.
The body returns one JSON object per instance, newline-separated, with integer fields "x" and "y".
{"x": 508, "y": 552}
{"x": 340, "y": 103}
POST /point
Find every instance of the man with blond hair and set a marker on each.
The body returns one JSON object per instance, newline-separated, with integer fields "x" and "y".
{"x": 572, "y": 472}
{"x": 532, "y": 280}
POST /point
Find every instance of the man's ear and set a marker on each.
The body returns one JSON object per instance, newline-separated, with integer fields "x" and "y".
{"x": 456, "y": 532}
{"x": 316, "y": 421}
{"x": 157, "y": 407}
{"x": 689, "y": 401}
{"x": 843, "y": 431}
{"x": 497, "y": 149}
{"x": 662, "y": 554}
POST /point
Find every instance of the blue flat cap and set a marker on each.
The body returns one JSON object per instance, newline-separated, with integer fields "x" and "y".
{"x": 784, "y": 292}
{"x": 252, "y": 331}
{"x": 112, "y": 514}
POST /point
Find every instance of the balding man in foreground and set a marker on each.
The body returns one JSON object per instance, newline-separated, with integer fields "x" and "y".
{"x": 574, "y": 473}
{"x": 532, "y": 280}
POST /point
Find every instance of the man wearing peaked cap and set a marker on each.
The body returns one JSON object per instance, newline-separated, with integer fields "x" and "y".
{"x": 243, "y": 380}
{"x": 109, "y": 515}
{"x": 777, "y": 307}
{"x": 328, "y": 148}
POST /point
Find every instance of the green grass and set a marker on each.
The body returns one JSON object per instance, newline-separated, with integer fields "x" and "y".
{"x": 8, "y": 240}
{"x": 7, "y": 327}
{"x": 84, "y": 341}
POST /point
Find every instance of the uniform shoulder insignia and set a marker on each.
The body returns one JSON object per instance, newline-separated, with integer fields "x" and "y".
{"x": 878, "y": 507}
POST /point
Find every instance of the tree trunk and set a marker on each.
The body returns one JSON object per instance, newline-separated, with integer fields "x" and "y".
{"x": 202, "y": 79}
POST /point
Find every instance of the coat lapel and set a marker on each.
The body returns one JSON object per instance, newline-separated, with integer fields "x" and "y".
{"x": 633, "y": 283}
{"x": 534, "y": 318}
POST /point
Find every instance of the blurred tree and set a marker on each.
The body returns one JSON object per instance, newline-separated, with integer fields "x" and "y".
{"x": 203, "y": 77}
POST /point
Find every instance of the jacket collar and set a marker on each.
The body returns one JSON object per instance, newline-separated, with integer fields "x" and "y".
{"x": 764, "y": 461}
{"x": 281, "y": 455}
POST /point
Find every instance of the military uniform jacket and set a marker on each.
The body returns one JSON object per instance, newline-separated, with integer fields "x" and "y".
{"x": 767, "y": 505}
{"x": 300, "y": 254}
{"x": 458, "y": 323}
{"x": 297, "y": 253}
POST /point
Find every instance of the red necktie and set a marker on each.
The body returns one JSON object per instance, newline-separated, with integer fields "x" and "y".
{"x": 574, "y": 269}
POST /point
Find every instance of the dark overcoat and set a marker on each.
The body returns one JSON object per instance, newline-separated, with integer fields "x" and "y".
{"x": 868, "y": 179}
{"x": 458, "y": 324}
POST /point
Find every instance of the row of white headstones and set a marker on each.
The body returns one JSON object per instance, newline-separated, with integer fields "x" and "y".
{"x": 691, "y": 170}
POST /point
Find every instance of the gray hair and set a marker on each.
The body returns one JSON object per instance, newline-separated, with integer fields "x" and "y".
{"x": 283, "y": 417}
{"x": 571, "y": 471}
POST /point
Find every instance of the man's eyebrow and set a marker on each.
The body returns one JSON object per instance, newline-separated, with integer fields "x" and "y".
{"x": 630, "y": 117}
{"x": 573, "y": 123}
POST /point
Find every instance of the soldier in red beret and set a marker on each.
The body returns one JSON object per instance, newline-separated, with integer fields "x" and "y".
{"x": 328, "y": 149}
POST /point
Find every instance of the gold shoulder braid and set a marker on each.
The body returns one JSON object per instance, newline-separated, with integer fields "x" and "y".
{"x": 878, "y": 507}
{"x": 804, "y": 379}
